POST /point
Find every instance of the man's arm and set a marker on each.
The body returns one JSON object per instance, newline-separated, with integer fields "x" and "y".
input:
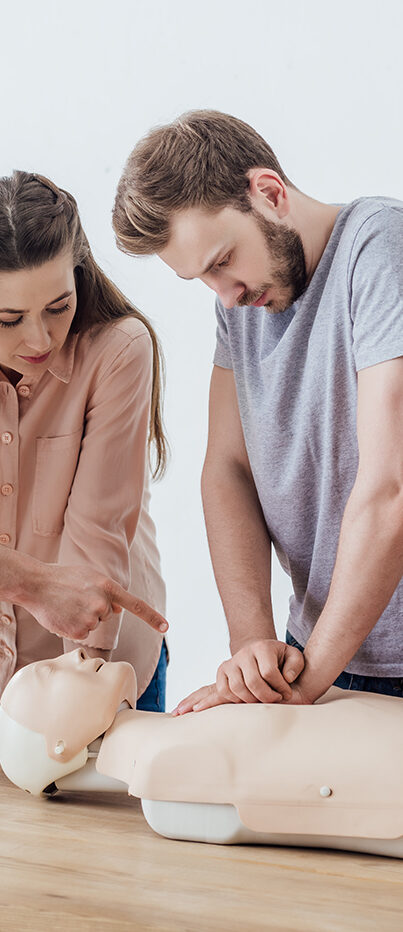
{"x": 261, "y": 667}
{"x": 369, "y": 563}
{"x": 239, "y": 543}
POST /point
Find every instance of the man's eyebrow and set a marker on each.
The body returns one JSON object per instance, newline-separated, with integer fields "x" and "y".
{"x": 11, "y": 310}
{"x": 208, "y": 268}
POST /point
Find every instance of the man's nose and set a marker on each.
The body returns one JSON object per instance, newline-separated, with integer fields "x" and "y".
{"x": 229, "y": 294}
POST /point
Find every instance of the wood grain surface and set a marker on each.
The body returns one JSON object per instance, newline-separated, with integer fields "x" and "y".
{"x": 82, "y": 862}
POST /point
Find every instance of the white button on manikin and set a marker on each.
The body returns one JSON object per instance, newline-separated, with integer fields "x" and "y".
{"x": 5, "y": 620}
{"x": 6, "y": 437}
{"x": 5, "y": 538}
{"x": 24, "y": 391}
{"x": 325, "y": 791}
{"x": 7, "y": 489}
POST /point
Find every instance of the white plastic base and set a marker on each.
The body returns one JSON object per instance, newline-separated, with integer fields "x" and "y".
{"x": 89, "y": 780}
{"x": 220, "y": 824}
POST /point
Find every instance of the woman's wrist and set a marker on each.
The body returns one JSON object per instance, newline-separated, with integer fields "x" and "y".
{"x": 21, "y": 576}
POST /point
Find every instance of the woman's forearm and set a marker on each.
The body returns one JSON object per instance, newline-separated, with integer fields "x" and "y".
{"x": 240, "y": 551}
{"x": 20, "y": 575}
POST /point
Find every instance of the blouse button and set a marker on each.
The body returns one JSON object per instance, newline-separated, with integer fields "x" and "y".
{"x": 7, "y": 489}
{"x": 6, "y": 437}
{"x": 5, "y": 620}
{"x": 6, "y": 651}
{"x": 24, "y": 391}
{"x": 5, "y": 538}
{"x": 325, "y": 791}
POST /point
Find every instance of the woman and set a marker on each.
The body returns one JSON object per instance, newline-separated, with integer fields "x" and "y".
{"x": 79, "y": 393}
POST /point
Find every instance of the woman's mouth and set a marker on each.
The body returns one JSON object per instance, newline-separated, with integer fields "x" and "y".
{"x": 36, "y": 359}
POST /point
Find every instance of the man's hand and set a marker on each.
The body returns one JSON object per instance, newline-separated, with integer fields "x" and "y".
{"x": 71, "y": 601}
{"x": 207, "y": 696}
{"x": 261, "y": 671}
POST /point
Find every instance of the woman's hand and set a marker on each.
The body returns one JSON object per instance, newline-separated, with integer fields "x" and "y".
{"x": 261, "y": 671}
{"x": 71, "y": 601}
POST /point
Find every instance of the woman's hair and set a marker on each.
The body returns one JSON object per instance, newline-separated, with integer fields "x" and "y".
{"x": 38, "y": 221}
{"x": 199, "y": 160}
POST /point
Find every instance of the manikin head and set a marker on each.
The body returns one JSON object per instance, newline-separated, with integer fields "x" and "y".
{"x": 208, "y": 195}
{"x": 52, "y": 709}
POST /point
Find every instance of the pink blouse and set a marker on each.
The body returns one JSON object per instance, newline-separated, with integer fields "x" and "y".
{"x": 74, "y": 487}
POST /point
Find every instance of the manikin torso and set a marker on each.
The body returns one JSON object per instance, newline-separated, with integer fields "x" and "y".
{"x": 327, "y": 774}
{"x": 310, "y": 768}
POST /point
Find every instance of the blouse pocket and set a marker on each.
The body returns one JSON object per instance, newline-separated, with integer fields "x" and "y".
{"x": 56, "y": 464}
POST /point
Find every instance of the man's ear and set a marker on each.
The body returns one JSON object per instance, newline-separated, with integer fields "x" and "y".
{"x": 267, "y": 190}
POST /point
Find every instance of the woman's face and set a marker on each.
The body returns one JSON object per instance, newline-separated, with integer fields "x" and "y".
{"x": 37, "y": 307}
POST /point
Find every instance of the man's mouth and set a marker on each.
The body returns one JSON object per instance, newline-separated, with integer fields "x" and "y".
{"x": 262, "y": 300}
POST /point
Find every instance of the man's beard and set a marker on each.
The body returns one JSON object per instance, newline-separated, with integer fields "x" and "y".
{"x": 286, "y": 252}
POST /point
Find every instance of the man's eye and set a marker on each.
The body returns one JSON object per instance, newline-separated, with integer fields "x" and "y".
{"x": 224, "y": 261}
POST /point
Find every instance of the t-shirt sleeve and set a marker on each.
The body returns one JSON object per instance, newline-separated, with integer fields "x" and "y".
{"x": 222, "y": 355}
{"x": 376, "y": 282}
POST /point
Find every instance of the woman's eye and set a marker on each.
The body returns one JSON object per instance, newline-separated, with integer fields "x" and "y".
{"x": 59, "y": 310}
{"x": 10, "y": 323}
{"x": 52, "y": 310}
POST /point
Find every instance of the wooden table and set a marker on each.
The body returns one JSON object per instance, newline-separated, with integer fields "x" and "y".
{"x": 82, "y": 862}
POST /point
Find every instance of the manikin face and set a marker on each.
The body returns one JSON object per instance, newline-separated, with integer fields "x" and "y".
{"x": 37, "y": 307}
{"x": 245, "y": 258}
{"x": 71, "y": 699}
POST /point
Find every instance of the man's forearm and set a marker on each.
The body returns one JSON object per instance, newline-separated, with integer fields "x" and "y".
{"x": 369, "y": 566}
{"x": 240, "y": 551}
{"x": 20, "y": 575}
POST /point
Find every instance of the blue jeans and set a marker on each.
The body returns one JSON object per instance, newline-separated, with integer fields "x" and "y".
{"x": 153, "y": 699}
{"x": 388, "y": 685}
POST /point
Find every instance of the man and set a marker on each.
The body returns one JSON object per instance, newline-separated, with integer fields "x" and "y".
{"x": 305, "y": 444}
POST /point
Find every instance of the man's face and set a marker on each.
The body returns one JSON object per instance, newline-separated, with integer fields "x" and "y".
{"x": 244, "y": 257}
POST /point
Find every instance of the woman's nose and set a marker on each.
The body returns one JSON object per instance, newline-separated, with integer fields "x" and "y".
{"x": 38, "y": 338}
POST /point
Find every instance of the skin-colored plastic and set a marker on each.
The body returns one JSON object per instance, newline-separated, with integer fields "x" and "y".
{"x": 332, "y": 768}
{"x": 330, "y": 771}
{"x": 71, "y": 699}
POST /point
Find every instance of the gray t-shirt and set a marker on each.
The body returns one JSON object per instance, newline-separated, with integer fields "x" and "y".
{"x": 296, "y": 380}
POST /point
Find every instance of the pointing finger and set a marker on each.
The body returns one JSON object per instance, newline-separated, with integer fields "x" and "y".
{"x": 136, "y": 606}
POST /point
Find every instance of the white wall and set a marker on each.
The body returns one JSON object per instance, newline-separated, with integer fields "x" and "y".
{"x": 81, "y": 82}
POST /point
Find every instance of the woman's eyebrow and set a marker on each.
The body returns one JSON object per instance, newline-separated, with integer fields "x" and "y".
{"x": 11, "y": 310}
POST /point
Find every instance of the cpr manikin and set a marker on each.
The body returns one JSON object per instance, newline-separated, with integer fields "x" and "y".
{"x": 327, "y": 775}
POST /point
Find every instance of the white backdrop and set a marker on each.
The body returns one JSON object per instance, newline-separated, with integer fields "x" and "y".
{"x": 81, "y": 82}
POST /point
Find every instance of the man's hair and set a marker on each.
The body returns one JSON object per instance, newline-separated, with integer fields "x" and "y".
{"x": 199, "y": 160}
